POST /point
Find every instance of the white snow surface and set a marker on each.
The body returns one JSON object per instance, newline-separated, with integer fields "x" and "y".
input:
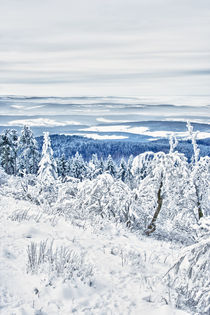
{"x": 127, "y": 267}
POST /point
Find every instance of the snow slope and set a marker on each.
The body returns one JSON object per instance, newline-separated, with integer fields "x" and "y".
{"x": 127, "y": 268}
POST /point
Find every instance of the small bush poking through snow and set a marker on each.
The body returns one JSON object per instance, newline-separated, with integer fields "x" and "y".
{"x": 20, "y": 215}
{"x": 23, "y": 215}
{"x": 58, "y": 262}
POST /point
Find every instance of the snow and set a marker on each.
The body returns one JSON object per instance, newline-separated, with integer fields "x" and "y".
{"x": 127, "y": 267}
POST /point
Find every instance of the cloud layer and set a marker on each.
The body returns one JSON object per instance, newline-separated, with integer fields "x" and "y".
{"x": 112, "y": 47}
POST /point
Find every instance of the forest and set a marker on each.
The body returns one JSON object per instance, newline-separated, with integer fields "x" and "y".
{"x": 160, "y": 195}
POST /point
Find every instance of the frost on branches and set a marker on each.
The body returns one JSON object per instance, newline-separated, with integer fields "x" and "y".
{"x": 199, "y": 178}
{"x": 165, "y": 192}
{"x": 188, "y": 279}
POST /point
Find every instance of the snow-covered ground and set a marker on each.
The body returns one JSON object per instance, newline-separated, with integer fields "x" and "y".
{"x": 124, "y": 269}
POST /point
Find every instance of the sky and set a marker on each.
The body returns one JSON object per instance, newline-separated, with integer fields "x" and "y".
{"x": 105, "y": 47}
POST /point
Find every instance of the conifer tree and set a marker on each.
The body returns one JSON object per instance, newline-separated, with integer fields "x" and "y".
{"x": 47, "y": 172}
{"x": 62, "y": 166}
{"x": 78, "y": 167}
{"x": 129, "y": 175}
{"x": 110, "y": 166}
{"x": 122, "y": 171}
{"x": 95, "y": 167}
{"x": 29, "y": 154}
{"x": 8, "y": 151}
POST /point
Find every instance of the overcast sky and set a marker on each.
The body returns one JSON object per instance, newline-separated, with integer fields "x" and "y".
{"x": 105, "y": 47}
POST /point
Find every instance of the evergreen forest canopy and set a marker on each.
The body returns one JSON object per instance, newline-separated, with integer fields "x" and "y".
{"x": 157, "y": 193}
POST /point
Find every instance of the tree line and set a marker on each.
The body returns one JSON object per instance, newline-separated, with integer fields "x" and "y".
{"x": 21, "y": 155}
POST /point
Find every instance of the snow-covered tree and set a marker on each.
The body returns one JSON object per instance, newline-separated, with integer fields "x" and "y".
{"x": 122, "y": 170}
{"x": 78, "y": 167}
{"x": 129, "y": 180}
{"x": 162, "y": 190}
{"x": 47, "y": 172}
{"x": 199, "y": 178}
{"x": 8, "y": 151}
{"x": 142, "y": 166}
{"x": 95, "y": 167}
{"x": 62, "y": 166}
{"x": 29, "y": 155}
{"x": 110, "y": 166}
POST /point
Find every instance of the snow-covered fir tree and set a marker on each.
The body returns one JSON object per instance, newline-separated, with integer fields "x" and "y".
{"x": 110, "y": 166}
{"x": 78, "y": 167}
{"x": 29, "y": 156}
{"x": 62, "y": 166}
{"x": 95, "y": 167}
{"x": 122, "y": 170}
{"x": 129, "y": 180}
{"x": 47, "y": 172}
{"x": 8, "y": 151}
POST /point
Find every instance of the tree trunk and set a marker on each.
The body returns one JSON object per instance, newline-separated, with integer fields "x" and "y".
{"x": 152, "y": 226}
{"x": 200, "y": 213}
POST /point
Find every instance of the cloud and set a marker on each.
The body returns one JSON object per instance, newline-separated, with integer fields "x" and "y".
{"x": 112, "y": 47}
{"x": 142, "y": 131}
{"x": 17, "y": 106}
{"x": 26, "y": 107}
{"x": 96, "y": 136}
{"x": 105, "y": 120}
{"x": 118, "y": 128}
{"x": 42, "y": 122}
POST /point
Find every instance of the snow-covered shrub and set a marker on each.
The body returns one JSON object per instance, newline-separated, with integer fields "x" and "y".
{"x": 107, "y": 197}
{"x": 188, "y": 279}
{"x": 24, "y": 215}
{"x": 20, "y": 215}
{"x": 66, "y": 197}
{"x": 58, "y": 262}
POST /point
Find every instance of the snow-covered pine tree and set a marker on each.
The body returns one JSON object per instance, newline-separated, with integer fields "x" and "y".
{"x": 28, "y": 161}
{"x": 62, "y": 166}
{"x": 122, "y": 170}
{"x": 78, "y": 167}
{"x": 47, "y": 172}
{"x": 94, "y": 167}
{"x": 110, "y": 166}
{"x": 129, "y": 176}
{"x": 8, "y": 151}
